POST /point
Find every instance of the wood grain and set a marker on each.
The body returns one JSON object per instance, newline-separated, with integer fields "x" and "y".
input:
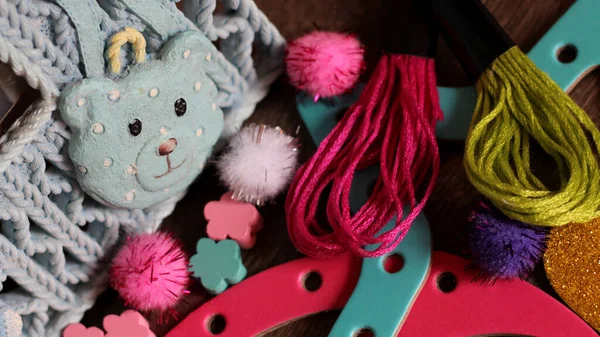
{"x": 454, "y": 198}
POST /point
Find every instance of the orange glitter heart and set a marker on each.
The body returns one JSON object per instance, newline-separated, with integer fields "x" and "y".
{"x": 572, "y": 264}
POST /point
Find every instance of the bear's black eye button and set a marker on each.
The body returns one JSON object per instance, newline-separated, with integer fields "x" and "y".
{"x": 180, "y": 107}
{"x": 135, "y": 127}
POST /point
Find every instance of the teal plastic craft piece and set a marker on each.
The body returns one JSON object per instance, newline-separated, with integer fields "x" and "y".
{"x": 381, "y": 300}
{"x": 87, "y": 20}
{"x": 217, "y": 264}
{"x": 155, "y": 14}
{"x": 578, "y": 28}
{"x": 142, "y": 139}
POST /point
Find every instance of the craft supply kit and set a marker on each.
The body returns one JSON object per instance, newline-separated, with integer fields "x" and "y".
{"x": 111, "y": 110}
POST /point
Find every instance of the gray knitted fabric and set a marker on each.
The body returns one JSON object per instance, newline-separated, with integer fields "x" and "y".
{"x": 55, "y": 241}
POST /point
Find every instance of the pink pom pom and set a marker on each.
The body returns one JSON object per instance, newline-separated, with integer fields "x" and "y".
{"x": 324, "y": 63}
{"x": 150, "y": 272}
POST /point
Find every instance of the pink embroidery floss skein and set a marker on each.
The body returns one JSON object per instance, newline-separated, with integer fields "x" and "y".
{"x": 393, "y": 125}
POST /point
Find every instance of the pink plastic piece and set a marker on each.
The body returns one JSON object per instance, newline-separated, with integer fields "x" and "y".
{"x": 237, "y": 220}
{"x": 275, "y": 297}
{"x": 474, "y": 309}
{"x": 129, "y": 324}
{"x": 79, "y": 330}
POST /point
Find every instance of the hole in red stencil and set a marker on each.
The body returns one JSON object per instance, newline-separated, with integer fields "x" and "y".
{"x": 313, "y": 281}
{"x": 567, "y": 54}
{"x": 447, "y": 282}
{"x": 216, "y": 324}
{"x": 364, "y": 332}
{"x": 393, "y": 263}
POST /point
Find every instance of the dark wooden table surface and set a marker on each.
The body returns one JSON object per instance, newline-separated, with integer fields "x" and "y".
{"x": 454, "y": 197}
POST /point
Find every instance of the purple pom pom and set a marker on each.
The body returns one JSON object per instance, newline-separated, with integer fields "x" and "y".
{"x": 504, "y": 248}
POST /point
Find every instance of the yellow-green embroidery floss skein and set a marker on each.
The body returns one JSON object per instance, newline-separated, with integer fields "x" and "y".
{"x": 518, "y": 105}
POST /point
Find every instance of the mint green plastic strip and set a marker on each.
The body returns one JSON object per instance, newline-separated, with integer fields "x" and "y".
{"x": 86, "y": 18}
{"x": 381, "y": 301}
{"x": 154, "y": 13}
{"x": 579, "y": 27}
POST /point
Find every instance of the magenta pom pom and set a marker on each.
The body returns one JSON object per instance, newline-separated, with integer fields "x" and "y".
{"x": 150, "y": 272}
{"x": 324, "y": 64}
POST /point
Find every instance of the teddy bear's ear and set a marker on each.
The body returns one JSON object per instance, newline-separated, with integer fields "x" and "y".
{"x": 77, "y": 101}
{"x": 190, "y": 44}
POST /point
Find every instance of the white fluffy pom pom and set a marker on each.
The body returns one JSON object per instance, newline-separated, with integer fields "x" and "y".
{"x": 259, "y": 163}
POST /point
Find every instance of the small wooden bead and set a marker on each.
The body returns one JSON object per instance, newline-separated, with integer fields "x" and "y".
{"x": 217, "y": 264}
{"x": 229, "y": 218}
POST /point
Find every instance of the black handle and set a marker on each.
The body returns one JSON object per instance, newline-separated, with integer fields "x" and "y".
{"x": 400, "y": 39}
{"x": 433, "y": 29}
{"x": 473, "y": 34}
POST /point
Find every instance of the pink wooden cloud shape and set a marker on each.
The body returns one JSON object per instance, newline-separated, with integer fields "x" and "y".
{"x": 79, "y": 330}
{"x": 129, "y": 324}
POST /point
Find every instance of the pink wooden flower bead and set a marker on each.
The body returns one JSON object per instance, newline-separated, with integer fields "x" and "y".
{"x": 237, "y": 220}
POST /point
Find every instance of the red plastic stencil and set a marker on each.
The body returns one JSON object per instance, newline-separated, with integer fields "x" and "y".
{"x": 451, "y": 305}
{"x": 274, "y": 297}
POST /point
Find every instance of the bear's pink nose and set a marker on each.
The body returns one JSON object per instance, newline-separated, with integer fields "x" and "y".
{"x": 167, "y": 147}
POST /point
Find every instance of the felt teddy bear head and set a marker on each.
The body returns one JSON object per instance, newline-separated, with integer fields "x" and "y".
{"x": 143, "y": 138}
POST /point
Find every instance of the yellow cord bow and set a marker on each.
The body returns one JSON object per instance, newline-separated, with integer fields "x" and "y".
{"x": 129, "y": 35}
